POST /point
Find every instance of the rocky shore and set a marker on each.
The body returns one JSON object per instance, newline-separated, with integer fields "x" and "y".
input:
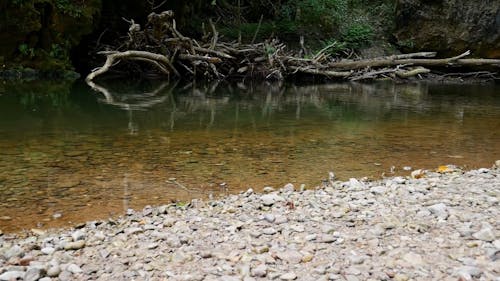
{"x": 431, "y": 226}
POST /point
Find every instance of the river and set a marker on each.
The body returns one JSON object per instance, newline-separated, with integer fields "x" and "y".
{"x": 70, "y": 153}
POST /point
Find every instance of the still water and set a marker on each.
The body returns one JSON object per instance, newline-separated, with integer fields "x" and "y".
{"x": 70, "y": 153}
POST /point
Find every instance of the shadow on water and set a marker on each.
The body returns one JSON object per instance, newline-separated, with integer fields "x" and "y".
{"x": 87, "y": 153}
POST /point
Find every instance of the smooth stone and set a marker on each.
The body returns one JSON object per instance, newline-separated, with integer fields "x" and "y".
{"x": 471, "y": 271}
{"x": 496, "y": 244}
{"x": 311, "y": 237}
{"x": 269, "y": 231}
{"x": 54, "y": 271}
{"x": 280, "y": 219}
{"x": 269, "y": 218}
{"x": 288, "y": 276}
{"x": 292, "y": 257}
{"x": 326, "y": 238}
{"x": 439, "y": 210}
{"x": 66, "y": 276}
{"x": 74, "y": 245}
{"x": 378, "y": 189}
{"x": 351, "y": 278}
{"x": 357, "y": 259}
{"x": 399, "y": 180}
{"x": 260, "y": 271}
{"x": 270, "y": 199}
{"x": 401, "y": 277}
{"x": 413, "y": 259}
{"x": 354, "y": 183}
{"x": 38, "y": 232}
{"x": 133, "y": 230}
{"x": 289, "y": 187}
{"x": 12, "y": 275}
{"x": 78, "y": 235}
{"x": 485, "y": 234}
{"x": 33, "y": 274}
{"x": 14, "y": 251}
{"x": 307, "y": 257}
{"x": 73, "y": 268}
{"x": 268, "y": 189}
{"x": 47, "y": 250}
{"x": 45, "y": 279}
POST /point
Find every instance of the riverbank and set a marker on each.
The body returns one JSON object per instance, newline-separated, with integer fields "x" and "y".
{"x": 442, "y": 226}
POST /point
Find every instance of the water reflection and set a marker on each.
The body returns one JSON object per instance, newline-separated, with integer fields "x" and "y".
{"x": 91, "y": 152}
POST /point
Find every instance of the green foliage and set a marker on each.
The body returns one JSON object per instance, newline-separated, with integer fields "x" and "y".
{"x": 68, "y": 7}
{"x": 325, "y": 14}
{"x": 409, "y": 44}
{"x": 58, "y": 52}
{"x": 357, "y": 35}
{"x": 26, "y": 51}
{"x": 21, "y": 2}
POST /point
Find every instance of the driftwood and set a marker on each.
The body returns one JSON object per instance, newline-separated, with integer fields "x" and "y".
{"x": 170, "y": 53}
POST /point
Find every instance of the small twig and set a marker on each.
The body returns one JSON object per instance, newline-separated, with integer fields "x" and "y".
{"x": 258, "y": 28}
{"x": 215, "y": 35}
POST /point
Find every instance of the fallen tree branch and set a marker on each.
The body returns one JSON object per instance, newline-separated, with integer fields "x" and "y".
{"x": 413, "y": 72}
{"x": 134, "y": 55}
{"x": 161, "y": 45}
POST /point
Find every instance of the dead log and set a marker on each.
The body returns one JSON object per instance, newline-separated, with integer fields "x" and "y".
{"x": 160, "y": 61}
{"x": 409, "y": 60}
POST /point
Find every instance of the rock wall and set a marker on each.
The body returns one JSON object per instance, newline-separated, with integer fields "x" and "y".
{"x": 41, "y": 33}
{"x": 449, "y": 26}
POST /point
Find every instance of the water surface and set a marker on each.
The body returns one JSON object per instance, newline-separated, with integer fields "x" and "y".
{"x": 69, "y": 153}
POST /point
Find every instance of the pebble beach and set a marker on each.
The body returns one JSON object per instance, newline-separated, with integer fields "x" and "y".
{"x": 428, "y": 226}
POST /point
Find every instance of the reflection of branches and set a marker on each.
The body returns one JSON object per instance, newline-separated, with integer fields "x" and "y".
{"x": 141, "y": 101}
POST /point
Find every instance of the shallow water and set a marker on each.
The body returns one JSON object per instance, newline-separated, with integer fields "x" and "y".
{"x": 70, "y": 154}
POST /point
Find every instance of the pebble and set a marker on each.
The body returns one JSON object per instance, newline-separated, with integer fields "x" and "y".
{"x": 74, "y": 245}
{"x": 53, "y": 271}
{"x": 33, "y": 274}
{"x": 355, "y": 230}
{"x": 78, "y": 235}
{"x": 268, "y": 189}
{"x": 270, "y": 199}
{"x": 260, "y": 271}
{"x": 292, "y": 257}
{"x": 485, "y": 234}
{"x": 401, "y": 277}
{"x": 439, "y": 210}
{"x": 288, "y": 276}
{"x": 378, "y": 189}
{"x": 73, "y": 268}
{"x": 413, "y": 259}
{"x": 12, "y": 275}
{"x": 269, "y": 231}
{"x": 269, "y": 218}
{"x": 47, "y": 250}
{"x": 65, "y": 276}
{"x": 469, "y": 271}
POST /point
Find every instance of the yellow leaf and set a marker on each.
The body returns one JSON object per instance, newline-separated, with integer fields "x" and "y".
{"x": 444, "y": 169}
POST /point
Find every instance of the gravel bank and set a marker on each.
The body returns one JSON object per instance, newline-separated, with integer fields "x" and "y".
{"x": 439, "y": 227}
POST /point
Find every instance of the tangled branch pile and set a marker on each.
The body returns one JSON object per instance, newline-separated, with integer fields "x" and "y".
{"x": 170, "y": 53}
